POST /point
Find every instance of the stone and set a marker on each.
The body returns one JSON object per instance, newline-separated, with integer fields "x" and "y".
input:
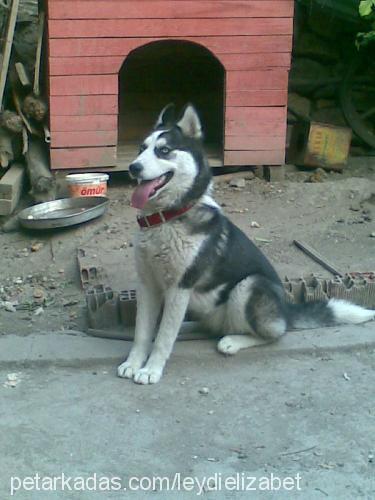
{"x": 237, "y": 182}
{"x": 38, "y": 293}
{"x": 8, "y": 306}
{"x": 299, "y": 105}
{"x": 204, "y": 390}
{"x": 318, "y": 176}
{"x": 35, "y": 247}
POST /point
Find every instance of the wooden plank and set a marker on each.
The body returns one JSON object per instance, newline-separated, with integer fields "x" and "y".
{"x": 83, "y": 123}
{"x": 73, "y": 47}
{"x": 89, "y": 85}
{"x": 243, "y": 98}
{"x": 239, "y": 158}
{"x": 255, "y": 121}
{"x": 168, "y": 27}
{"x": 245, "y": 62}
{"x": 257, "y": 79}
{"x": 258, "y": 143}
{"x": 103, "y": 65}
{"x": 108, "y": 84}
{"x": 84, "y": 138}
{"x": 11, "y": 185}
{"x": 83, "y": 157}
{"x": 267, "y": 113}
{"x": 129, "y": 9}
{"x": 83, "y": 105}
{"x": 110, "y": 65}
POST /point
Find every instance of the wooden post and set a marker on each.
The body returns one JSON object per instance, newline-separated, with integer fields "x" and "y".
{"x": 8, "y": 48}
{"x": 43, "y": 185}
{"x": 38, "y": 54}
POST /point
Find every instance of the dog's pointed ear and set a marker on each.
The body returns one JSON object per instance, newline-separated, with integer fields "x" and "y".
{"x": 190, "y": 123}
{"x": 166, "y": 117}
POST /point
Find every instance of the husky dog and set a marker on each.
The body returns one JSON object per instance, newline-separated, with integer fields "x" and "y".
{"x": 190, "y": 257}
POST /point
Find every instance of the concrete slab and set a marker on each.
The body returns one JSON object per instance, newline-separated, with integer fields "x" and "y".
{"x": 284, "y": 416}
{"x": 71, "y": 348}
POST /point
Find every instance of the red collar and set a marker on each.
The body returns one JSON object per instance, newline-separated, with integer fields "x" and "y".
{"x": 161, "y": 217}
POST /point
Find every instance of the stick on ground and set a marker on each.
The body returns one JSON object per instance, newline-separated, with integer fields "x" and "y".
{"x": 311, "y": 252}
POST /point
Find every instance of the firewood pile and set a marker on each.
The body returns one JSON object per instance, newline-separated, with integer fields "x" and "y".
{"x": 24, "y": 134}
{"x": 331, "y": 81}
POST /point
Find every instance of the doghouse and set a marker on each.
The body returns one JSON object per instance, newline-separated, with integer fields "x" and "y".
{"x": 113, "y": 64}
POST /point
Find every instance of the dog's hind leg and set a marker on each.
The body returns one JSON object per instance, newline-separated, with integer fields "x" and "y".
{"x": 255, "y": 310}
{"x": 176, "y": 301}
{"x": 148, "y": 308}
{"x": 231, "y": 344}
{"x": 265, "y": 311}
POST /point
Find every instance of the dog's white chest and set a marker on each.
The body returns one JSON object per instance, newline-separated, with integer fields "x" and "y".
{"x": 165, "y": 252}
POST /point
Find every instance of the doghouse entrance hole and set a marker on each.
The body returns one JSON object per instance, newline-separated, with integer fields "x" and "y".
{"x": 170, "y": 71}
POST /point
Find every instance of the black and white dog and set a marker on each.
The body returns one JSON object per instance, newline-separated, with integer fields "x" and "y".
{"x": 191, "y": 257}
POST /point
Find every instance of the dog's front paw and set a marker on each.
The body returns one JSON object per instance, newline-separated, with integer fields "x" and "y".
{"x": 149, "y": 375}
{"x": 228, "y": 345}
{"x": 127, "y": 369}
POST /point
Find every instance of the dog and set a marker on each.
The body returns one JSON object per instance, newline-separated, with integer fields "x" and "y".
{"x": 190, "y": 257}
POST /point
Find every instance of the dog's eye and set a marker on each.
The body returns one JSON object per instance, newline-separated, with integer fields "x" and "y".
{"x": 164, "y": 150}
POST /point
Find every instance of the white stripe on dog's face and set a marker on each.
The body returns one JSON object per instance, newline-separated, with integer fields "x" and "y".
{"x": 152, "y": 165}
{"x": 180, "y": 163}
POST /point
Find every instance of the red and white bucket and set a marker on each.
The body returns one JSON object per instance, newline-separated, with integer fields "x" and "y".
{"x": 94, "y": 184}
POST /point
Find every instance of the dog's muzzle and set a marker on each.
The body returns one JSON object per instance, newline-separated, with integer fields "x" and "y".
{"x": 135, "y": 169}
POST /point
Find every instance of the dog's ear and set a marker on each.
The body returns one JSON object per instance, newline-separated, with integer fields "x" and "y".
{"x": 166, "y": 117}
{"x": 190, "y": 123}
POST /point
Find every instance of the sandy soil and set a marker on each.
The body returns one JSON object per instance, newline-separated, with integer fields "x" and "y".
{"x": 39, "y": 270}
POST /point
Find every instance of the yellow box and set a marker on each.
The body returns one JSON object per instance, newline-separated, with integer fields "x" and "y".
{"x": 320, "y": 145}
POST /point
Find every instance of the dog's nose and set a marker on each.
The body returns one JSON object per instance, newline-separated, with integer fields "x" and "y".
{"x": 135, "y": 169}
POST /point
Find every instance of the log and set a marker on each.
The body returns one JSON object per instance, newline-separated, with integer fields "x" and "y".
{"x": 6, "y": 147}
{"x": 34, "y": 107}
{"x": 11, "y": 121}
{"x": 43, "y": 185}
{"x": 18, "y": 106}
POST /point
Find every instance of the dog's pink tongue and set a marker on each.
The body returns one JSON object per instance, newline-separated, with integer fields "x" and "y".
{"x": 142, "y": 192}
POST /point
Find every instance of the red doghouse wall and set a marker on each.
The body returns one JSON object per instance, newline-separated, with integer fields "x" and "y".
{"x": 90, "y": 39}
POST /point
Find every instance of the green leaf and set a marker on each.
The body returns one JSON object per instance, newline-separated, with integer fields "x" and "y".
{"x": 364, "y": 39}
{"x": 365, "y": 7}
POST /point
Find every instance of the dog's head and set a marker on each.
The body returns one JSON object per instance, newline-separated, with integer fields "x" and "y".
{"x": 171, "y": 168}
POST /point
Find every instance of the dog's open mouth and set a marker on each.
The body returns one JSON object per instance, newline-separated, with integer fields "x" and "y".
{"x": 148, "y": 189}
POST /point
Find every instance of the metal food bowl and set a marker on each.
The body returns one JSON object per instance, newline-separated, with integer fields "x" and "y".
{"x": 63, "y": 213}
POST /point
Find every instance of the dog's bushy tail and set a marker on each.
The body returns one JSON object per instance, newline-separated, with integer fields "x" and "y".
{"x": 332, "y": 312}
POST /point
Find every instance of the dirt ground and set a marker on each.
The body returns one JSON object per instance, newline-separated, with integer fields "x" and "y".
{"x": 40, "y": 285}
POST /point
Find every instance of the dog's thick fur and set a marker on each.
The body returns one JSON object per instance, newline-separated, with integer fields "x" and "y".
{"x": 201, "y": 262}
